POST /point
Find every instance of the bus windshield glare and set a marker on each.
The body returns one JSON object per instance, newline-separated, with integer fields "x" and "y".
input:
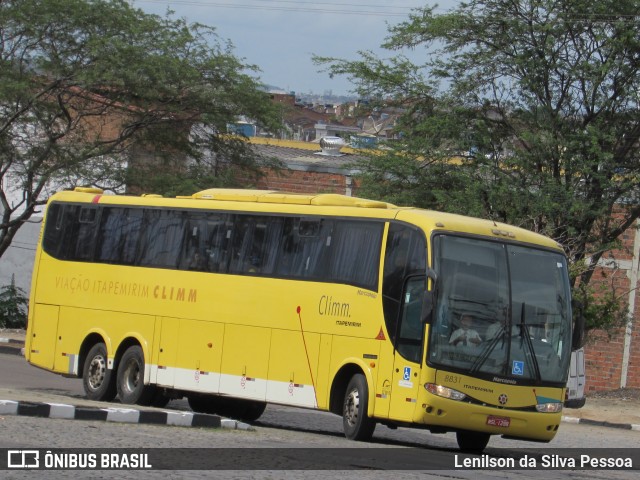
{"x": 501, "y": 311}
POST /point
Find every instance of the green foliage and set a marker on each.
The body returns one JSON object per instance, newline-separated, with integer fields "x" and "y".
{"x": 538, "y": 102}
{"x": 90, "y": 93}
{"x": 603, "y": 308}
{"x": 13, "y": 307}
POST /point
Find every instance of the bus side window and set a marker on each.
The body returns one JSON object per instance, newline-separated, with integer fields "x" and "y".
{"x": 303, "y": 247}
{"x": 51, "y": 240}
{"x": 162, "y": 239}
{"x": 241, "y": 245}
{"x": 256, "y": 244}
{"x": 193, "y": 256}
{"x": 84, "y": 238}
{"x": 405, "y": 254}
{"x": 74, "y": 229}
{"x": 118, "y": 235}
{"x": 411, "y": 330}
{"x": 219, "y": 232}
{"x": 266, "y": 243}
{"x": 354, "y": 256}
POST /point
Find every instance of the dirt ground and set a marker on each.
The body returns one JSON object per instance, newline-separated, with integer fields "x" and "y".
{"x": 621, "y": 406}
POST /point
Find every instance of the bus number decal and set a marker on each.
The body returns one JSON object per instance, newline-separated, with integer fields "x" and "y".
{"x": 451, "y": 379}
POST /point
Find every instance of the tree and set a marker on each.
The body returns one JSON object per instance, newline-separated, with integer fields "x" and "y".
{"x": 537, "y": 100}
{"x": 86, "y": 93}
{"x": 13, "y": 306}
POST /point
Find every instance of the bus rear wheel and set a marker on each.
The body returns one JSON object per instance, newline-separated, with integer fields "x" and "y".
{"x": 203, "y": 403}
{"x": 355, "y": 422}
{"x": 130, "y": 381}
{"x": 98, "y": 381}
{"x": 472, "y": 442}
{"x": 250, "y": 410}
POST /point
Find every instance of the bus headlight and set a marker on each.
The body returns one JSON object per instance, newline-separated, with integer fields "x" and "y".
{"x": 553, "y": 407}
{"x": 445, "y": 392}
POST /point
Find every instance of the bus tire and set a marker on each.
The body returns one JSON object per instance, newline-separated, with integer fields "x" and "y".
{"x": 355, "y": 422}
{"x": 203, "y": 403}
{"x": 159, "y": 400}
{"x": 472, "y": 442}
{"x": 252, "y": 410}
{"x": 130, "y": 381}
{"x": 98, "y": 381}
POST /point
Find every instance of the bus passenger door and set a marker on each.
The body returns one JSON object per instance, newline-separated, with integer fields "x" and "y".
{"x": 408, "y": 351}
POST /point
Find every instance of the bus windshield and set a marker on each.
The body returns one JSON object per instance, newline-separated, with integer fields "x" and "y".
{"x": 501, "y": 310}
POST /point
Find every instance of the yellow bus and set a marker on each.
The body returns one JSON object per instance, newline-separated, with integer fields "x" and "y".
{"x": 239, "y": 298}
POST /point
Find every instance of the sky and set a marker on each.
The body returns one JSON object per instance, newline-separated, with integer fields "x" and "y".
{"x": 280, "y": 36}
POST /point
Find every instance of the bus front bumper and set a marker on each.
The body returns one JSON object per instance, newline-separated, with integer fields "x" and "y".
{"x": 452, "y": 415}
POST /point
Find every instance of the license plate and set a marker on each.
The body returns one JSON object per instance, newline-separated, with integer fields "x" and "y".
{"x": 498, "y": 421}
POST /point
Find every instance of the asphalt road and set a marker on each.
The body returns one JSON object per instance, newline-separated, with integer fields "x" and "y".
{"x": 285, "y": 428}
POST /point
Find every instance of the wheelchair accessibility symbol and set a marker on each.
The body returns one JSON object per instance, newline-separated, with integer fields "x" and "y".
{"x": 518, "y": 368}
{"x": 406, "y": 375}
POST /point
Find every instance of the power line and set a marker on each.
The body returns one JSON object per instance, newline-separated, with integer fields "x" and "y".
{"x": 355, "y": 9}
{"x": 332, "y": 8}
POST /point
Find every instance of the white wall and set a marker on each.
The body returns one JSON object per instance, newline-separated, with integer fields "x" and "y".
{"x": 18, "y": 259}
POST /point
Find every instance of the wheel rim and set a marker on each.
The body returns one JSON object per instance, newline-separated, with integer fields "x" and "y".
{"x": 97, "y": 372}
{"x": 351, "y": 407}
{"x": 131, "y": 377}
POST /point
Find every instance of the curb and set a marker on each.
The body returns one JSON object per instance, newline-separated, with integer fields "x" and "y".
{"x": 119, "y": 415}
{"x": 600, "y": 423}
{"x": 12, "y": 346}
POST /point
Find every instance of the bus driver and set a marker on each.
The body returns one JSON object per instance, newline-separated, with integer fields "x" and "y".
{"x": 465, "y": 335}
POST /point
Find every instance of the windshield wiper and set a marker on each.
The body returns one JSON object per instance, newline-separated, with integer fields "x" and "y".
{"x": 526, "y": 337}
{"x": 482, "y": 358}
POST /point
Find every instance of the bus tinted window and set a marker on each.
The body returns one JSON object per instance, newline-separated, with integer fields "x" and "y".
{"x": 162, "y": 239}
{"x": 52, "y": 234}
{"x": 118, "y": 235}
{"x": 319, "y": 249}
{"x": 355, "y": 253}
{"x": 70, "y": 232}
{"x": 303, "y": 247}
{"x": 256, "y": 240}
{"x": 406, "y": 254}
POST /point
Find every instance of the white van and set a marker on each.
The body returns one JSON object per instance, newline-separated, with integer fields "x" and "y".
{"x": 575, "y": 384}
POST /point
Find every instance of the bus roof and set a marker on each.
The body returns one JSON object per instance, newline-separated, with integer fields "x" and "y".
{"x": 449, "y": 222}
{"x": 269, "y": 196}
{"x": 284, "y": 202}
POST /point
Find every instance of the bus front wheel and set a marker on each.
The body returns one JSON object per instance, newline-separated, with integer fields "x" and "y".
{"x": 356, "y": 424}
{"x": 130, "y": 382}
{"x": 472, "y": 442}
{"x": 248, "y": 410}
{"x": 98, "y": 381}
